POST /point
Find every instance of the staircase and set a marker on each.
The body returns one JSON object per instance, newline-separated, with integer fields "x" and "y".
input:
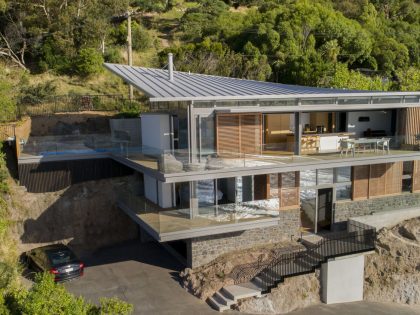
{"x": 253, "y": 280}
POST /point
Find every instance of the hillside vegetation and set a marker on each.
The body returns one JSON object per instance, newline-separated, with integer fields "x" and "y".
{"x": 368, "y": 44}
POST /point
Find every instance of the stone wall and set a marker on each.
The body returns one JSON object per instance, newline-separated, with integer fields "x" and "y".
{"x": 202, "y": 250}
{"x": 346, "y": 210}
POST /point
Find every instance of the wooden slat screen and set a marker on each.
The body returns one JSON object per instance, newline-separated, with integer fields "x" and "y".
{"x": 360, "y": 182}
{"x": 228, "y": 134}
{"x": 251, "y": 133}
{"x": 393, "y": 178}
{"x": 377, "y": 180}
{"x": 410, "y": 124}
{"x": 416, "y": 176}
{"x": 238, "y": 133}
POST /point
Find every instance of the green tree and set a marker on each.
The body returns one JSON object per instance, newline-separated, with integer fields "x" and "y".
{"x": 343, "y": 78}
{"x": 408, "y": 80}
{"x": 89, "y": 61}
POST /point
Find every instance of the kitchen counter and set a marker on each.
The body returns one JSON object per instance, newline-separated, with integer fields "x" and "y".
{"x": 319, "y": 142}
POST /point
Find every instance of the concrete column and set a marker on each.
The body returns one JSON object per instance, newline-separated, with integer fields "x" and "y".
{"x": 193, "y": 200}
{"x": 298, "y": 133}
{"x": 165, "y": 195}
{"x": 342, "y": 279}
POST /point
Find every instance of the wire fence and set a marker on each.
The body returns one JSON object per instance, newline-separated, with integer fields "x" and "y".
{"x": 74, "y": 103}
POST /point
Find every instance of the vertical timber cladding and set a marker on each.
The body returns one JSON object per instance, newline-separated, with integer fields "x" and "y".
{"x": 360, "y": 182}
{"x": 377, "y": 180}
{"x": 238, "y": 133}
{"x": 416, "y": 176}
{"x": 410, "y": 124}
{"x": 54, "y": 176}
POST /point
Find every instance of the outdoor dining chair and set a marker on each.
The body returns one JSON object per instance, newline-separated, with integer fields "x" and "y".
{"x": 383, "y": 144}
{"x": 346, "y": 146}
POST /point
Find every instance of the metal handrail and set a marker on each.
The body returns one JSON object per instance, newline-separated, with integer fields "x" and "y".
{"x": 358, "y": 238}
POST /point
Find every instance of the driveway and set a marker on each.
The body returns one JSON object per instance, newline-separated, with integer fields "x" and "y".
{"x": 142, "y": 274}
{"x": 146, "y": 276}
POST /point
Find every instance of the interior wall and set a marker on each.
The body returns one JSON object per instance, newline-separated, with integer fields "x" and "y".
{"x": 378, "y": 120}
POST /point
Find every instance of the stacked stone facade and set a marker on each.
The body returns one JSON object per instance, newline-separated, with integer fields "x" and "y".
{"x": 356, "y": 208}
{"x": 202, "y": 250}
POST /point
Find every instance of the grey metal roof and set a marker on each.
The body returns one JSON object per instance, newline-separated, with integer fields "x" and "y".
{"x": 192, "y": 86}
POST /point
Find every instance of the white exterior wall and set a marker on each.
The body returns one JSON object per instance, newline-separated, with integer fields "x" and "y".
{"x": 165, "y": 195}
{"x": 342, "y": 280}
{"x": 158, "y": 192}
{"x": 155, "y": 131}
{"x": 379, "y": 120}
{"x": 150, "y": 191}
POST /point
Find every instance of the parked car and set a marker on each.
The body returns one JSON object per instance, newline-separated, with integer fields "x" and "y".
{"x": 57, "y": 259}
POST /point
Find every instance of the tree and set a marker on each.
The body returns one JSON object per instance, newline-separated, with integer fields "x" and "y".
{"x": 342, "y": 78}
{"x": 89, "y": 61}
{"x": 408, "y": 80}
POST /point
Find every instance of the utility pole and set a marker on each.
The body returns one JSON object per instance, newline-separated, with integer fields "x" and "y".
{"x": 129, "y": 50}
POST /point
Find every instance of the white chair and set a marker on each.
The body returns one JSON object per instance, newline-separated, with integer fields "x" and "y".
{"x": 346, "y": 145}
{"x": 383, "y": 144}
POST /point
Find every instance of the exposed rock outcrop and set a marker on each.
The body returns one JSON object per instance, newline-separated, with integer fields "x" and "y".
{"x": 392, "y": 274}
{"x": 293, "y": 293}
{"x": 84, "y": 215}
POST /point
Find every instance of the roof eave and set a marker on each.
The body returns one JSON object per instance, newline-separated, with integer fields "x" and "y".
{"x": 280, "y": 97}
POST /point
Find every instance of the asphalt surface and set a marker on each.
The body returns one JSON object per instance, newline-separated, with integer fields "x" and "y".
{"x": 146, "y": 276}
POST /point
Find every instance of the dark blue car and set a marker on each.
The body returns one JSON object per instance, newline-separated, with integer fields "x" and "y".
{"x": 57, "y": 259}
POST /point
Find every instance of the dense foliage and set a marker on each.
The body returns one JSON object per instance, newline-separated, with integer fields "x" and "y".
{"x": 47, "y": 297}
{"x": 367, "y": 44}
{"x": 319, "y": 42}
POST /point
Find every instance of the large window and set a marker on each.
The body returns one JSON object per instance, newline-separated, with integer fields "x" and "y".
{"x": 340, "y": 178}
{"x": 343, "y": 184}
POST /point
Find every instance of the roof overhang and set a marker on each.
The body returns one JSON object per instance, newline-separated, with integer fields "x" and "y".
{"x": 282, "y": 97}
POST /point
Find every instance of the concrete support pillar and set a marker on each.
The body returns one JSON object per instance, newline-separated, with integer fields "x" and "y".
{"x": 298, "y": 133}
{"x": 342, "y": 279}
{"x": 193, "y": 200}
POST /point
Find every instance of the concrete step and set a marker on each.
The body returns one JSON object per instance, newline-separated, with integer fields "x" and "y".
{"x": 258, "y": 283}
{"x": 241, "y": 291}
{"x": 221, "y": 298}
{"x": 216, "y": 305}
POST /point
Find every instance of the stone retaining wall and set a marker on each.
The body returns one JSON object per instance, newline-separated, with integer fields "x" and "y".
{"x": 356, "y": 208}
{"x": 202, "y": 250}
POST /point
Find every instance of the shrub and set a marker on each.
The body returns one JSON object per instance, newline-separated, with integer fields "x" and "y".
{"x": 47, "y": 297}
{"x": 141, "y": 39}
{"x": 88, "y": 61}
{"x": 36, "y": 94}
{"x": 114, "y": 306}
{"x": 7, "y": 103}
{"x": 112, "y": 55}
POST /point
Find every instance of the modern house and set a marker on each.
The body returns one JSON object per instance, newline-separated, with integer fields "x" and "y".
{"x": 225, "y": 164}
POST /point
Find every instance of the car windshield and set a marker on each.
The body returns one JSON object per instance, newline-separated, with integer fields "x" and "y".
{"x": 60, "y": 257}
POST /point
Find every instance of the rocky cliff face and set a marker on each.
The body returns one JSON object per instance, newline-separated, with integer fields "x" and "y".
{"x": 84, "y": 215}
{"x": 292, "y": 294}
{"x": 392, "y": 274}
